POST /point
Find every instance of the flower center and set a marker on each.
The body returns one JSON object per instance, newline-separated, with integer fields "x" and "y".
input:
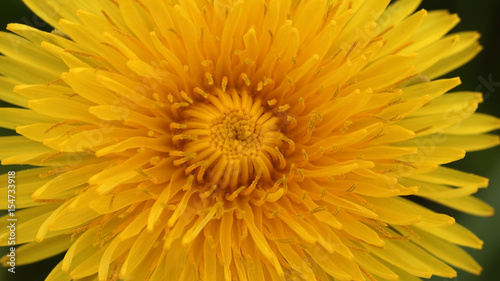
{"x": 229, "y": 140}
{"x": 236, "y": 134}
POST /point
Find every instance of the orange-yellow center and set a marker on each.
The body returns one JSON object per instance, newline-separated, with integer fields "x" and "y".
{"x": 229, "y": 139}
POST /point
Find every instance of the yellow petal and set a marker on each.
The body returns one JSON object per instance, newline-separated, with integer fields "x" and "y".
{"x": 31, "y": 180}
{"x": 18, "y": 146}
{"x": 477, "y": 123}
{"x": 436, "y": 24}
{"x": 447, "y": 176}
{"x": 115, "y": 175}
{"x": 34, "y": 251}
{"x": 7, "y": 95}
{"x": 24, "y": 73}
{"x": 472, "y": 143}
{"x": 335, "y": 265}
{"x": 13, "y": 117}
{"x": 115, "y": 202}
{"x": 434, "y": 88}
{"x": 30, "y": 220}
{"x": 58, "y": 275}
{"x": 191, "y": 234}
{"x": 174, "y": 263}
{"x": 395, "y": 13}
{"x": 37, "y": 36}
{"x": 428, "y": 144}
{"x": 458, "y": 56}
{"x": 439, "y": 155}
{"x": 67, "y": 109}
{"x": 446, "y": 251}
{"x": 431, "y": 54}
{"x": 35, "y": 92}
{"x": 449, "y": 103}
{"x": 359, "y": 230}
{"x": 456, "y": 234}
{"x": 77, "y": 213}
{"x": 413, "y": 259}
{"x": 111, "y": 113}
{"x": 401, "y": 33}
{"x": 467, "y": 204}
{"x": 397, "y": 210}
{"x": 426, "y": 189}
{"x": 371, "y": 264}
{"x": 260, "y": 241}
{"x": 23, "y": 51}
{"x": 428, "y": 124}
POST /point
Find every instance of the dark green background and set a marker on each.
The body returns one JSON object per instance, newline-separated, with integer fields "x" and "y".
{"x": 476, "y": 15}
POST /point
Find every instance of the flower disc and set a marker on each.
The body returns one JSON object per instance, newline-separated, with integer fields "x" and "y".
{"x": 228, "y": 139}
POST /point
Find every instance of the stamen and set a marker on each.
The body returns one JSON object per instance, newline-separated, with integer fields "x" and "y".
{"x": 272, "y": 101}
{"x": 200, "y": 92}
{"x": 186, "y": 97}
{"x": 64, "y": 122}
{"x": 314, "y": 117}
{"x": 83, "y": 54}
{"x": 55, "y": 171}
{"x": 249, "y": 62}
{"x": 57, "y": 81}
{"x": 402, "y": 47}
{"x": 357, "y": 249}
{"x": 224, "y": 83}
{"x": 244, "y": 76}
{"x": 423, "y": 129}
{"x": 209, "y": 78}
{"x": 350, "y": 189}
{"x": 281, "y": 158}
{"x": 207, "y": 63}
{"x": 235, "y": 193}
{"x": 306, "y": 156}
{"x": 177, "y": 126}
{"x": 319, "y": 209}
{"x": 292, "y": 122}
{"x": 254, "y": 183}
{"x": 115, "y": 2}
{"x": 267, "y": 81}
{"x": 283, "y": 108}
{"x": 351, "y": 49}
{"x": 50, "y": 200}
{"x": 52, "y": 156}
{"x": 260, "y": 86}
{"x": 367, "y": 274}
{"x": 108, "y": 18}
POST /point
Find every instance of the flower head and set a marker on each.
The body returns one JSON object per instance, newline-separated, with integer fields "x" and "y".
{"x": 241, "y": 140}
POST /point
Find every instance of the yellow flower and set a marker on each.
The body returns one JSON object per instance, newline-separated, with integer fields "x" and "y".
{"x": 240, "y": 140}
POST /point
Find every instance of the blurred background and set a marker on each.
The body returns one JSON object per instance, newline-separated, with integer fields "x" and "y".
{"x": 475, "y": 75}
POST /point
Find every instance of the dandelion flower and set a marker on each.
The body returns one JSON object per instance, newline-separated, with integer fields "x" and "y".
{"x": 241, "y": 140}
